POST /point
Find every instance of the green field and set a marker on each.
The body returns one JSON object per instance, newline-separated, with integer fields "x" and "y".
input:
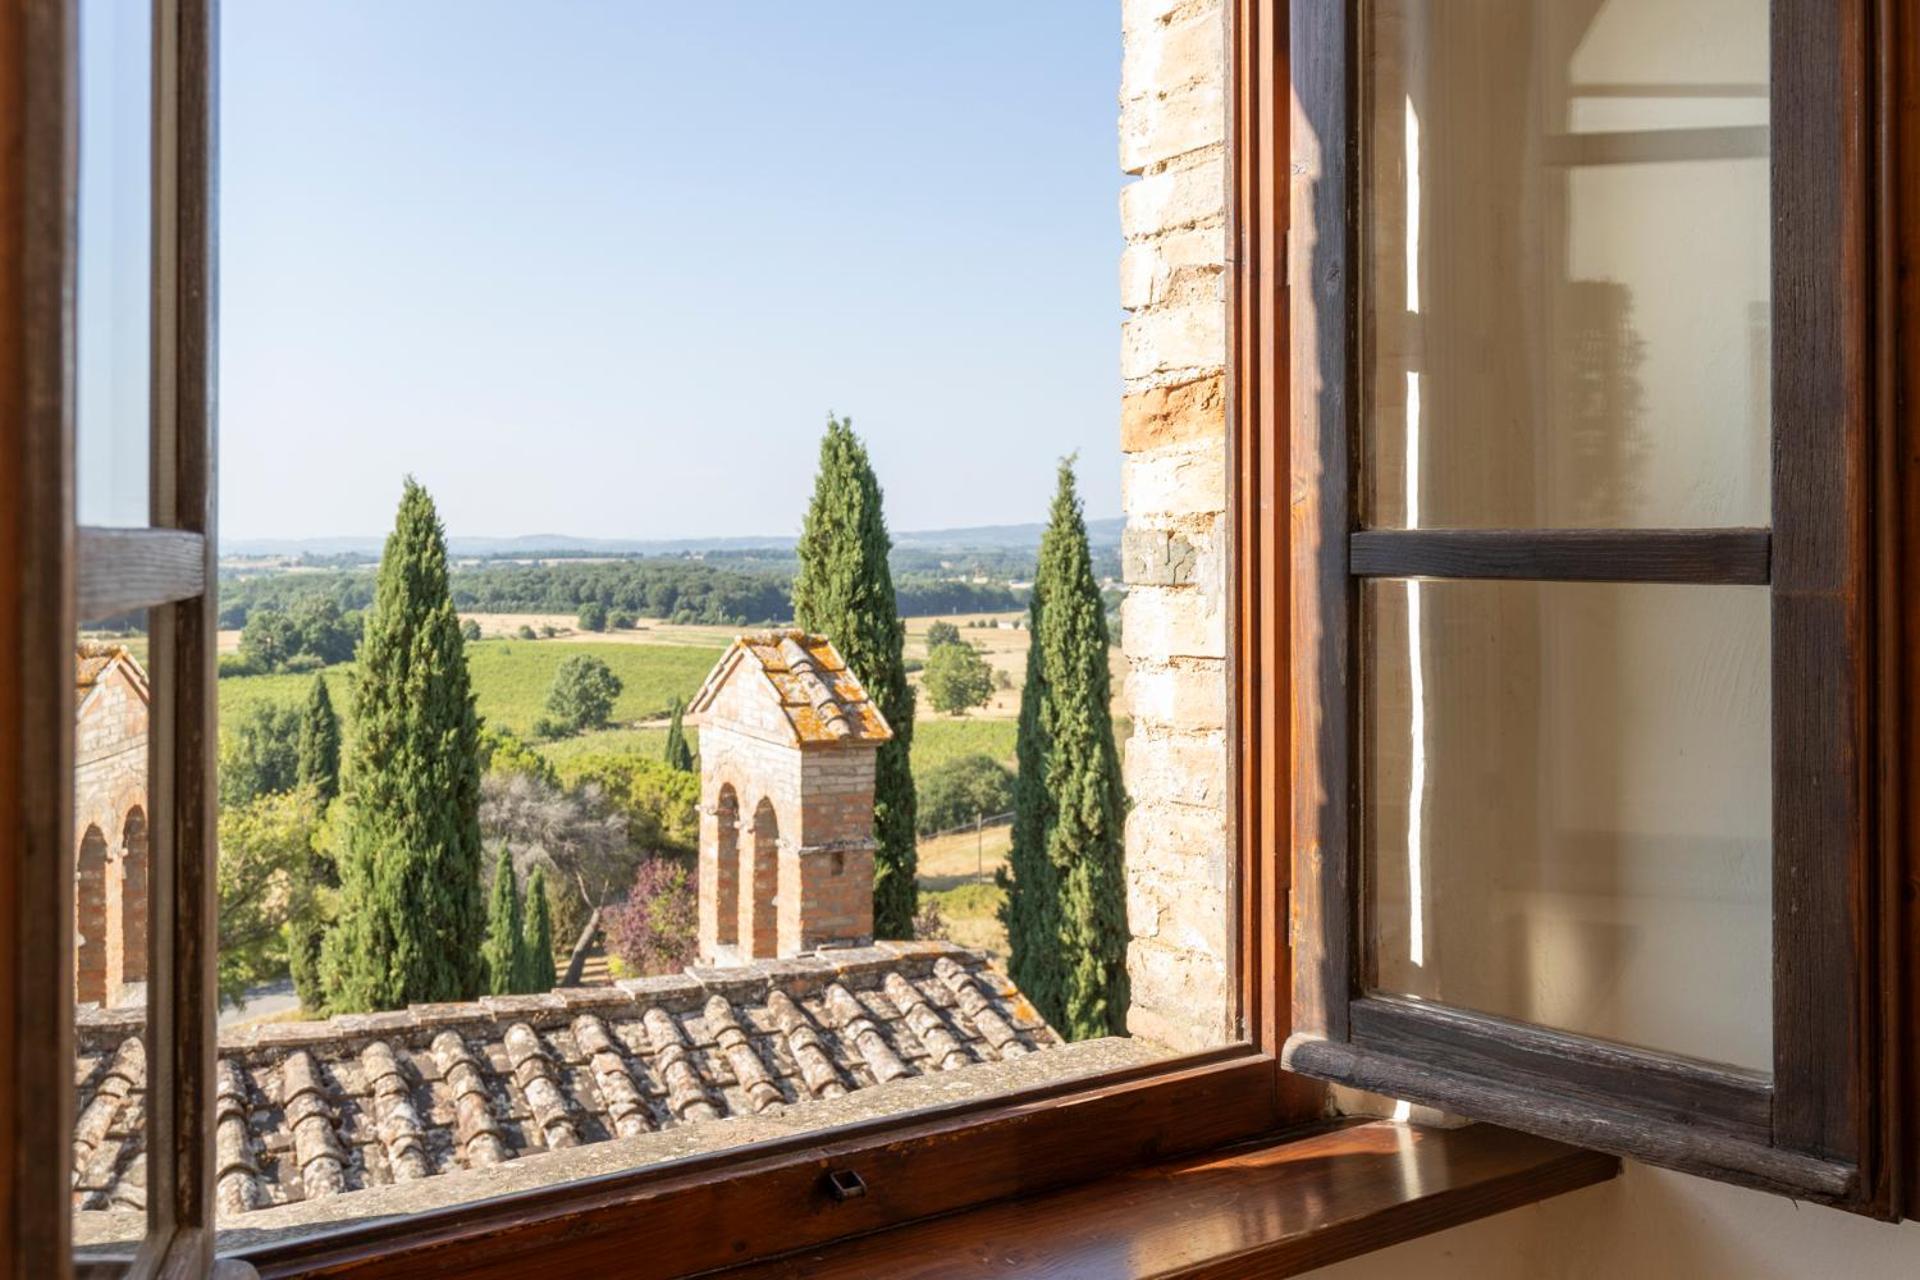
{"x": 511, "y": 679}
{"x": 937, "y": 741}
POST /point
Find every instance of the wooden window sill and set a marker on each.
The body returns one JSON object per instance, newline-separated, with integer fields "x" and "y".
{"x": 1274, "y": 1208}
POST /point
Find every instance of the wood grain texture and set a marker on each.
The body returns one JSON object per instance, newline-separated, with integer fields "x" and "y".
{"x": 1321, "y": 594}
{"x": 184, "y": 731}
{"x": 1897, "y": 593}
{"x": 36, "y": 637}
{"x": 1257, "y": 598}
{"x": 1728, "y": 556}
{"x": 1271, "y": 1210}
{"x": 1580, "y": 1069}
{"x": 121, "y": 570}
{"x": 1820, "y": 395}
{"x": 730, "y": 1207}
{"x": 1621, "y": 1130}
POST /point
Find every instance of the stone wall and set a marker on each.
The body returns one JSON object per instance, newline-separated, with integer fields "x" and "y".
{"x": 1173, "y": 283}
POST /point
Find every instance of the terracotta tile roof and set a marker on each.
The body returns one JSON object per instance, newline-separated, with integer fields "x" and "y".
{"x": 820, "y": 696}
{"x": 312, "y": 1109}
{"x": 91, "y": 661}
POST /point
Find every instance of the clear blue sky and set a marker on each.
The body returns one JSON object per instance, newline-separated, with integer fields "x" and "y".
{"x": 602, "y": 267}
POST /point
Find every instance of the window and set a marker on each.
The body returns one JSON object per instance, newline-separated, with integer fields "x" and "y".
{"x": 1581, "y": 579}
{"x": 1472, "y": 697}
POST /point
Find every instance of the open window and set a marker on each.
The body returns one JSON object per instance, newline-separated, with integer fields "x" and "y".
{"x": 1586, "y": 756}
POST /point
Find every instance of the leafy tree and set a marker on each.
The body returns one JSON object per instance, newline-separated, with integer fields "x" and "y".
{"x": 583, "y": 693}
{"x": 939, "y": 633}
{"x": 679, "y": 754}
{"x": 844, "y": 590}
{"x": 536, "y": 950}
{"x": 660, "y": 805}
{"x": 593, "y": 616}
{"x": 323, "y": 630}
{"x": 262, "y": 754}
{"x": 469, "y": 630}
{"x": 956, "y": 678}
{"x": 501, "y": 952}
{"x": 502, "y": 751}
{"x": 411, "y": 917}
{"x": 656, "y": 930}
{"x": 1066, "y": 895}
{"x": 266, "y": 844}
{"x": 269, "y": 639}
{"x": 319, "y": 745}
{"x": 620, "y": 620}
{"x": 956, "y": 791}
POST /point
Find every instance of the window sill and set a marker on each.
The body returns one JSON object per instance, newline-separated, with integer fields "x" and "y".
{"x": 1270, "y": 1209}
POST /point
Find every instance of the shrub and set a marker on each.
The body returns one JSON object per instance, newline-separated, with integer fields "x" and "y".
{"x": 940, "y": 633}
{"x": 656, "y": 929}
{"x": 583, "y": 692}
{"x": 527, "y": 633}
{"x": 620, "y": 620}
{"x": 238, "y": 664}
{"x": 549, "y": 631}
{"x": 593, "y": 616}
{"x": 955, "y": 792}
{"x": 469, "y": 630}
{"x": 956, "y": 678}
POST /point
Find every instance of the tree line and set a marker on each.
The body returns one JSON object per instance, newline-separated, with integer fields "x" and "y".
{"x": 668, "y": 590}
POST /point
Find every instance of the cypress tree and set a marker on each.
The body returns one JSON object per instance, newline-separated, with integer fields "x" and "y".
{"x": 502, "y": 949}
{"x": 411, "y": 920}
{"x": 1067, "y": 911}
{"x": 679, "y": 754}
{"x": 844, "y": 591}
{"x": 319, "y": 765}
{"x": 536, "y": 949}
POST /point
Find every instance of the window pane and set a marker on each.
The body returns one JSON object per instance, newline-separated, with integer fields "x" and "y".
{"x": 1568, "y": 802}
{"x": 110, "y": 894}
{"x": 115, "y": 262}
{"x": 1567, "y": 300}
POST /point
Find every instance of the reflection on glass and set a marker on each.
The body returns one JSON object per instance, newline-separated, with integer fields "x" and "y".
{"x": 110, "y": 956}
{"x": 1568, "y": 292}
{"x": 1567, "y": 807}
{"x": 115, "y": 262}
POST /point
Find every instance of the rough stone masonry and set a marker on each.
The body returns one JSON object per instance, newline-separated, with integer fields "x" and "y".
{"x": 1173, "y": 284}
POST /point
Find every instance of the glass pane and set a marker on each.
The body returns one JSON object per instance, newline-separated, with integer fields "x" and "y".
{"x": 1568, "y": 807}
{"x": 110, "y": 893}
{"x": 115, "y": 262}
{"x": 1567, "y": 304}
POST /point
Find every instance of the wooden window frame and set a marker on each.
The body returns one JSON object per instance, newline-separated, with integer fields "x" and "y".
{"x": 750, "y": 1201}
{"x": 1826, "y": 1123}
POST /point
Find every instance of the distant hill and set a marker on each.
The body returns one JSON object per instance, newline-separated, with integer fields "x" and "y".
{"x": 1012, "y": 537}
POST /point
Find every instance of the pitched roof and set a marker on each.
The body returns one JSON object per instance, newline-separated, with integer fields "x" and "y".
{"x": 93, "y": 659}
{"x": 313, "y": 1109}
{"x": 819, "y": 695}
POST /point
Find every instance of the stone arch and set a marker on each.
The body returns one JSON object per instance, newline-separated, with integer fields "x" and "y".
{"x": 90, "y": 918}
{"x": 127, "y": 907}
{"x": 726, "y": 809}
{"x": 759, "y": 931}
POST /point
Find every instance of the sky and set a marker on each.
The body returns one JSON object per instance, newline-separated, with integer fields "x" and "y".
{"x": 603, "y": 267}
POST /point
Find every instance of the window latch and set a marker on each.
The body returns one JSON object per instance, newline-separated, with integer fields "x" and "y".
{"x": 844, "y": 1185}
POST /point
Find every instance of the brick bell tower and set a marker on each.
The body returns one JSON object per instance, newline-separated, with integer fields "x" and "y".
{"x": 787, "y": 743}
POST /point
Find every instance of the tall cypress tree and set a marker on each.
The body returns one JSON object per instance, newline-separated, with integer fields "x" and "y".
{"x": 844, "y": 591}
{"x": 1067, "y": 908}
{"x": 319, "y": 750}
{"x": 411, "y": 920}
{"x": 536, "y": 949}
{"x": 501, "y": 952}
{"x": 679, "y": 754}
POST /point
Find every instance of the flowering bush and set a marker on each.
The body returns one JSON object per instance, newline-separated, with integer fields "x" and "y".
{"x": 654, "y": 930}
